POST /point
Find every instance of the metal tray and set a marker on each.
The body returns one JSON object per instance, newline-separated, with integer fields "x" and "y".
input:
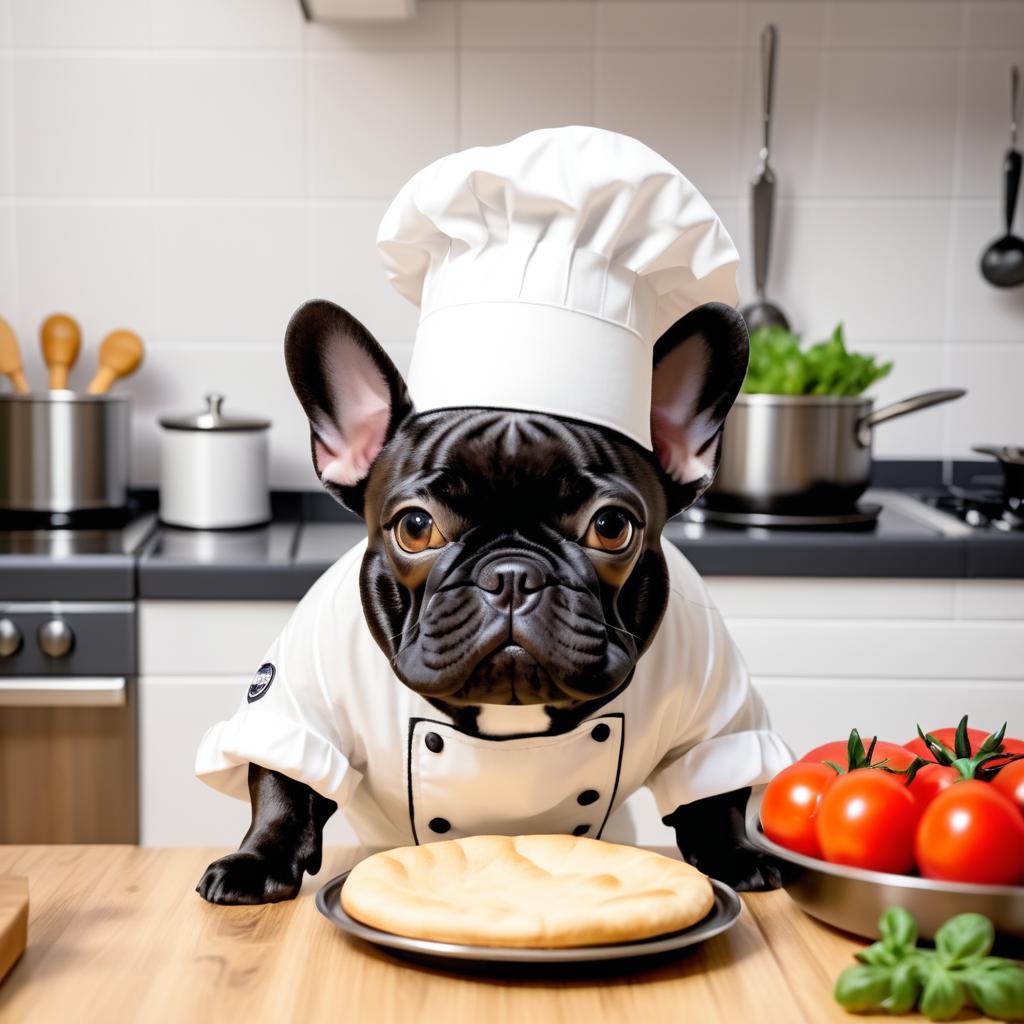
{"x": 461, "y": 957}
{"x": 853, "y": 899}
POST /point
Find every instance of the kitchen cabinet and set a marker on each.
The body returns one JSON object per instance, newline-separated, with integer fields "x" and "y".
{"x": 827, "y": 654}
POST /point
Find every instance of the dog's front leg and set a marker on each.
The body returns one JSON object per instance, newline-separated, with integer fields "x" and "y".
{"x": 284, "y": 840}
{"x": 712, "y": 837}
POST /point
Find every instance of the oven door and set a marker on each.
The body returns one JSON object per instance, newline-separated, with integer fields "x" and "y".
{"x": 68, "y": 760}
{"x": 68, "y": 733}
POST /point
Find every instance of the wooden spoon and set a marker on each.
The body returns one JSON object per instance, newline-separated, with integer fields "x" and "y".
{"x": 10, "y": 358}
{"x": 120, "y": 355}
{"x": 60, "y": 338}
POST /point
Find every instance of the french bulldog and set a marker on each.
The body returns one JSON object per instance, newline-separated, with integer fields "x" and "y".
{"x": 528, "y": 570}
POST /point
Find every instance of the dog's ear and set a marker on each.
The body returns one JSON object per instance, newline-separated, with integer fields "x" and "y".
{"x": 351, "y": 392}
{"x": 699, "y": 365}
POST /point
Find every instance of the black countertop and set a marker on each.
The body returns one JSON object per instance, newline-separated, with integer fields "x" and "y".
{"x": 310, "y": 532}
{"x": 282, "y": 560}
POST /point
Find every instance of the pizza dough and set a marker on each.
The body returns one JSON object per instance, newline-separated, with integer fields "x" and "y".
{"x": 527, "y": 891}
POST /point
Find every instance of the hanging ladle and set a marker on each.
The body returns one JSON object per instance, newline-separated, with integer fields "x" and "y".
{"x": 1002, "y": 263}
{"x": 761, "y": 312}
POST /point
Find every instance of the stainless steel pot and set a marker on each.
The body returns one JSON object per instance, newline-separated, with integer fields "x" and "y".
{"x": 63, "y": 452}
{"x": 802, "y": 453}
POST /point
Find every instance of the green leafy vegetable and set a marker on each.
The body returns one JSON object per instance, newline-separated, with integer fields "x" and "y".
{"x": 863, "y": 987}
{"x": 894, "y": 975}
{"x": 943, "y": 994}
{"x": 778, "y": 366}
{"x": 898, "y": 930}
{"x": 964, "y": 939}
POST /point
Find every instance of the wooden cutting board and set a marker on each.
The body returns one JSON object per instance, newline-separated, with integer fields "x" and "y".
{"x": 13, "y": 921}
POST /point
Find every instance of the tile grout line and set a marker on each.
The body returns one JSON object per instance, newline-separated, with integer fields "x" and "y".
{"x": 947, "y": 445}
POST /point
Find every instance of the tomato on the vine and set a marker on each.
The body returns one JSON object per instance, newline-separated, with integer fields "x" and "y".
{"x": 790, "y": 803}
{"x": 1010, "y": 782}
{"x": 867, "y": 820}
{"x": 931, "y": 780}
{"x": 893, "y": 755}
{"x": 973, "y": 742}
{"x": 947, "y": 737}
{"x": 971, "y": 833}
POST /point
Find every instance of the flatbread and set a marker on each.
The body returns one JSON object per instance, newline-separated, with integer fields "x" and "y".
{"x": 526, "y": 891}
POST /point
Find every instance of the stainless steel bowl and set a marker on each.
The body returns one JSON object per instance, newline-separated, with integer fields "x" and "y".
{"x": 802, "y": 453}
{"x": 854, "y": 899}
{"x": 63, "y": 452}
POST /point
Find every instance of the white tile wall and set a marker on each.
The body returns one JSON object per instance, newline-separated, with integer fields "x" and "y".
{"x": 196, "y": 170}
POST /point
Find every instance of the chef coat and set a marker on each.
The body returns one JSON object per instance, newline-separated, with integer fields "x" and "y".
{"x": 326, "y": 709}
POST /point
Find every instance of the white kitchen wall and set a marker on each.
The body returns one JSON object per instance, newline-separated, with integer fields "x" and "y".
{"x": 195, "y": 169}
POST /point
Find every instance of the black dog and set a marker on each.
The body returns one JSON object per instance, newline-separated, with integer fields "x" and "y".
{"x": 513, "y": 558}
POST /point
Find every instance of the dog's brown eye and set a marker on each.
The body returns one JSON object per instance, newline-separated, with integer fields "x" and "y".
{"x": 416, "y": 532}
{"x": 610, "y": 530}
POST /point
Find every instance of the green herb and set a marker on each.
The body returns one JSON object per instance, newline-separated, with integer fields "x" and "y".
{"x": 778, "y": 366}
{"x": 894, "y": 975}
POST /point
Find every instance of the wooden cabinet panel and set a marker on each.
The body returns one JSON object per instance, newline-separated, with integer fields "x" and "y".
{"x": 68, "y": 775}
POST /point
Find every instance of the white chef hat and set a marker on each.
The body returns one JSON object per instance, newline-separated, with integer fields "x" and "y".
{"x": 546, "y": 269}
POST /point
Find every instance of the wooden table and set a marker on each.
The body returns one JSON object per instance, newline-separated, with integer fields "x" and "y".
{"x": 116, "y": 933}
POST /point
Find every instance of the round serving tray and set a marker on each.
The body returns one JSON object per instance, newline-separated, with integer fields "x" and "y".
{"x": 854, "y": 899}
{"x": 722, "y": 916}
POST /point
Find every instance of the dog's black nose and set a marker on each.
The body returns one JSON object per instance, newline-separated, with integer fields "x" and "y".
{"x": 510, "y": 581}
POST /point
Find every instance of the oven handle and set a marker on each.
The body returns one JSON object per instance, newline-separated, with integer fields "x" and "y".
{"x": 63, "y": 692}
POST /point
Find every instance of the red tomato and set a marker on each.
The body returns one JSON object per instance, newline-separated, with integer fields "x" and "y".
{"x": 867, "y": 820}
{"x": 790, "y": 802}
{"x": 1010, "y": 782}
{"x": 893, "y": 754}
{"x": 971, "y": 833}
{"x": 948, "y": 737}
{"x": 930, "y": 781}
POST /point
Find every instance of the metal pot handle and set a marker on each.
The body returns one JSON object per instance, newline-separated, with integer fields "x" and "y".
{"x": 912, "y": 404}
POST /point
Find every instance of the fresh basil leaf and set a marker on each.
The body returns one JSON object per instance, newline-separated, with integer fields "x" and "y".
{"x": 905, "y": 987}
{"x": 880, "y": 955}
{"x": 898, "y": 929}
{"x": 964, "y": 938}
{"x": 943, "y": 994}
{"x": 862, "y": 987}
{"x": 998, "y": 991}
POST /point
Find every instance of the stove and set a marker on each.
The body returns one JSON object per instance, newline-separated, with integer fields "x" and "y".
{"x": 981, "y": 508}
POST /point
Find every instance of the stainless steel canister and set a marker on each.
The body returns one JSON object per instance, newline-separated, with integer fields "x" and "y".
{"x": 63, "y": 452}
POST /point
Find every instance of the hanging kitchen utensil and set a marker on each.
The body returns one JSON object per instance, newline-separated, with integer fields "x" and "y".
{"x": 120, "y": 355}
{"x": 60, "y": 338}
{"x": 763, "y": 313}
{"x": 1002, "y": 263}
{"x": 10, "y": 358}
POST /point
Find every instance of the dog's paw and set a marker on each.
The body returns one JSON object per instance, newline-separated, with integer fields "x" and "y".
{"x": 747, "y": 869}
{"x": 248, "y": 878}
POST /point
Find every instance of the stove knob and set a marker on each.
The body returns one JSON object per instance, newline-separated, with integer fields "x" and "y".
{"x": 55, "y": 638}
{"x": 10, "y": 638}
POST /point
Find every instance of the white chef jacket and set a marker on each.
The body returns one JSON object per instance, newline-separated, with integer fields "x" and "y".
{"x": 327, "y": 710}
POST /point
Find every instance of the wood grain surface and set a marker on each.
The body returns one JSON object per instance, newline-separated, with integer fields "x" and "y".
{"x": 13, "y": 920}
{"x": 117, "y": 933}
{"x": 68, "y": 775}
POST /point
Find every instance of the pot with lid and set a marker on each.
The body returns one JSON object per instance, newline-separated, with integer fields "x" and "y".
{"x": 214, "y": 469}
